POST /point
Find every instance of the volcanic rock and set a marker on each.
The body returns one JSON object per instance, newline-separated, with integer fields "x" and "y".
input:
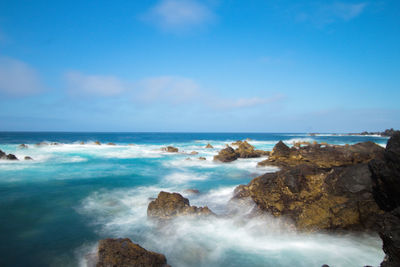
{"x": 169, "y": 205}
{"x": 317, "y": 198}
{"x": 227, "y": 154}
{"x": 209, "y": 146}
{"x": 323, "y": 156}
{"x": 97, "y": 143}
{"x": 22, "y": 146}
{"x": 3, "y": 155}
{"x": 124, "y": 253}
{"x": 28, "y": 158}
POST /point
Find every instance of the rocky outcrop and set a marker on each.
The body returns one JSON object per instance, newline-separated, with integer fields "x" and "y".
{"x": 170, "y": 149}
{"x": 317, "y": 198}
{"x": 323, "y": 156}
{"x": 28, "y": 158}
{"x": 386, "y": 177}
{"x": 169, "y": 205}
{"x": 22, "y": 146}
{"x": 194, "y": 153}
{"x": 111, "y": 144}
{"x": 243, "y": 150}
{"x": 202, "y": 158}
{"x": 124, "y": 253}
{"x": 3, "y": 155}
{"x": 209, "y": 146}
{"x": 97, "y": 143}
{"x": 42, "y": 144}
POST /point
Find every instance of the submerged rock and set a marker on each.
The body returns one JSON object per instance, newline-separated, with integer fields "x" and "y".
{"x": 170, "y": 149}
{"x": 169, "y": 205}
{"x": 42, "y": 144}
{"x": 122, "y": 252}
{"x": 22, "y": 146}
{"x": 192, "y": 191}
{"x": 202, "y": 158}
{"x": 110, "y": 144}
{"x": 97, "y": 143}
{"x": 28, "y": 158}
{"x": 323, "y": 156}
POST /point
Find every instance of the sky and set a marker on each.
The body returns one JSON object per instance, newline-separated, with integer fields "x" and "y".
{"x": 200, "y": 66}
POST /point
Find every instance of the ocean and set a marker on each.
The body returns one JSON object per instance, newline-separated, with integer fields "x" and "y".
{"x": 55, "y": 208}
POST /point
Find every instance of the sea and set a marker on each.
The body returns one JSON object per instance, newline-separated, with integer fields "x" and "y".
{"x": 55, "y": 208}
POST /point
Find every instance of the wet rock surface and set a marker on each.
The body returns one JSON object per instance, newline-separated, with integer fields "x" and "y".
{"x": 315, "y": 198}
{"x": 123, "y": 253}
{"x": 6, "y": 156}
{"x": 169, "y": 205}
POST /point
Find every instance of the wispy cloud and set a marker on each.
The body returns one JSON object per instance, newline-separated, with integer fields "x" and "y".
{"x": 17, "y": 78}
{"x": 178, "y": 15}
{"x": 95, "y": 85}
{"x": 167, "y": 88}
{"x": 328, "y": 13}
{"x": 247, "y": 102}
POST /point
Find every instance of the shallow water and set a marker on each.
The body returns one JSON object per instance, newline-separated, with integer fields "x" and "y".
{"x": 55, "y": 208}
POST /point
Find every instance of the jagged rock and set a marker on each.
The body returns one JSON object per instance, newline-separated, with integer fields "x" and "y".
{"x": 28, "y": 158}
{"x": 22, "y": 146}
{"x": 244, "y": 150}
{"x": 110, "y": 144}
{"x": 324, "y": 157}
{"x": 97, "y": 143}
{"x": 202, "y": 158}
{"x": 3, "y": 155}
{"x": 317, "y": 198}
{"x": 390, "y": 235}
{"x": 170, "y": 149}
{"x": 209, "y": 146}
{"x": 169, "y": 205}
{"x": 386, "y": 175}
{"x": 194, "y": 153}
{"x": 122, "y": 252}
{"x": 386, "y": 189}
{"x": 227, "y": 154}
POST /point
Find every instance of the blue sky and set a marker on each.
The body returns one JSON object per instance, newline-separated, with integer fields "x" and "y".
{"x": 211, "y": 65}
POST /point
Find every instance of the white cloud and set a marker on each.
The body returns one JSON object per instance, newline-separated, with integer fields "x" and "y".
{"x": 179, "y": 14}
{"x": 167, "y": 88}
{"x": 96, "y": 85}
{"x": 18, "y": 78}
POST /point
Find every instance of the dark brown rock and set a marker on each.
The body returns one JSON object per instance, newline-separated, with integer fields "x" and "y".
{"x": 170, "y": 149}
{"x": 28, "y": 158}
{"x": 124, "y": 253}
{"x": 169, "y": 205}
{"x": 22, "y": 146}
{"x": 317, "y": 198}
{"x": 323, "y": 156}
{"x": 209, "y": 146}
{"x": 390, "y": 235}
{"x": 3, "y": 155}
{"x": 202, "y": 158}
{"x": 227, "y": 154}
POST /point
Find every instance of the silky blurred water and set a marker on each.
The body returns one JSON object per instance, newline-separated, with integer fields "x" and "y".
{"x": 55, "y": 208}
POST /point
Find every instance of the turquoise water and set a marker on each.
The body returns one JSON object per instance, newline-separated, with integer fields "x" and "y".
{"x": 55, "y": 208}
